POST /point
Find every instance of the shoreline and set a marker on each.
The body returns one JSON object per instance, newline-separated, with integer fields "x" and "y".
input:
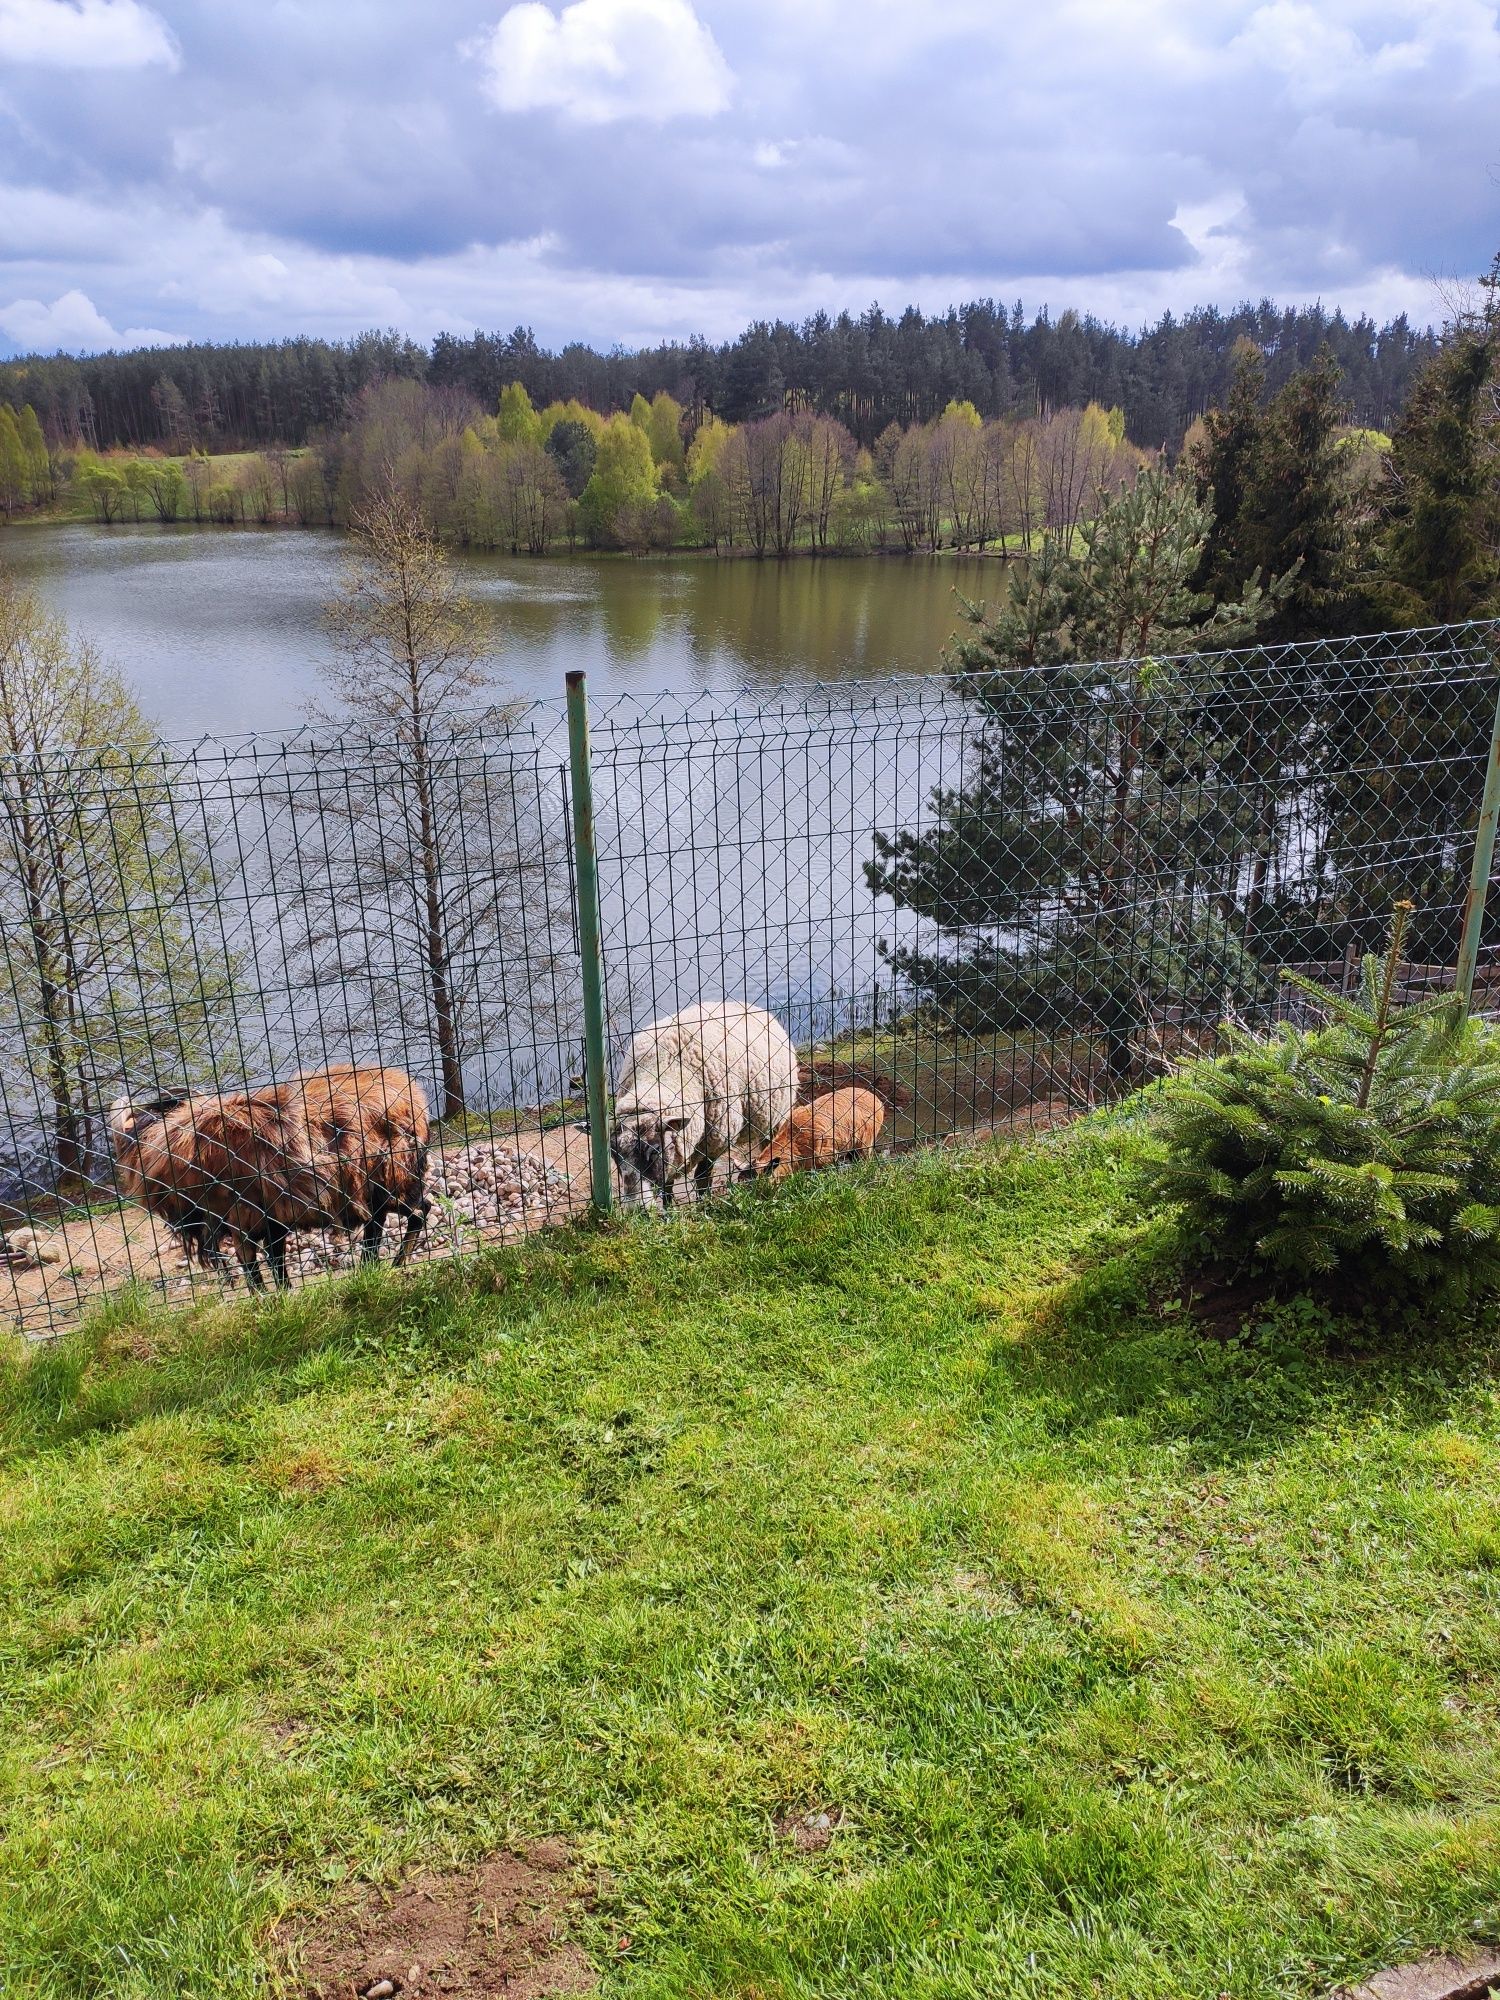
{"x": 556, "y": 552}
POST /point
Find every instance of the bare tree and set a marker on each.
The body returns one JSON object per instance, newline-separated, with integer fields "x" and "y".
{"x": 257, "y": 484}
{"x": 279, "y": 458}
{"x": 1024, "y": 482}
{"x": 767, "y": 468}
{"x": 421, "y": 850}
{"x": 995, "y": 441}
{"x": 915, "y": 489}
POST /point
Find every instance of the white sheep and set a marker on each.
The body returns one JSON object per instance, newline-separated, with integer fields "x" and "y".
{"x": 697, "y": 1084}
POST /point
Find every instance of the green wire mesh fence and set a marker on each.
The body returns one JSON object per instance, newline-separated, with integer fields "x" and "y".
{"x": 233, "y": 974}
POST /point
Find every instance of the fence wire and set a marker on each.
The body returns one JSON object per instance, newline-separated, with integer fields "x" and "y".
{"x": 987, "y": 903}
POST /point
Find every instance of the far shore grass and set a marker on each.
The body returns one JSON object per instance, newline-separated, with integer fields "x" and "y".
{"x": 1125, "y": 1661}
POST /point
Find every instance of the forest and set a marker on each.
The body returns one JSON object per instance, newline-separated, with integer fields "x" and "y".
{"x": 866, "y": 371}
{"x": 1281, "y": 436}
{"x": 650, "y": 478}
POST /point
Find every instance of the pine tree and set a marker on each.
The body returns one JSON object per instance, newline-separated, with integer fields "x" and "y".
{"x": 1221, "y": 468}
{"x": 1076, "y": 876}
{"x": 1274, "y": 478}
{"x": 1292, "y": 514}
{"x": 1441, "y": 554}
{"x": 1365, "y": 1152}
{"x": 571, "y": 447}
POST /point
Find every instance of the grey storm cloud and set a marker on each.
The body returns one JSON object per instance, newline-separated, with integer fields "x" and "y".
{"x": 621, "y": 169}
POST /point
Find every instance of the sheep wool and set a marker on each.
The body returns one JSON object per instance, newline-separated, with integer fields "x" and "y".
{"x": 840, "y": 1125}
{"x": 339, "y": 1148}
{"x": 696, "y": 1084}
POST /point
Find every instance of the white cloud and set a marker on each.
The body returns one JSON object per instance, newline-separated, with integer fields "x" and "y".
{"x": 1080, "y": 155}
{"x": 600, "y": 60}
{"x": 1347, "y": 49}
{"x": 72, "y": 324}
{"x": 85, "y": 34}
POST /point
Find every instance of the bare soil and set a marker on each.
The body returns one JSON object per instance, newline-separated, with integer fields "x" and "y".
{"x": 498, "y": 1929}
{"x": 810, "y": 1832}
{"x": 1219, "y": 1307}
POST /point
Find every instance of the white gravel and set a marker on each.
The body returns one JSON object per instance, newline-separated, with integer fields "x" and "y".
{"x": 477, "y": 1191}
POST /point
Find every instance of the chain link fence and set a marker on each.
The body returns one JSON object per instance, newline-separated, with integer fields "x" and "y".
{"x": 994, "y": 903}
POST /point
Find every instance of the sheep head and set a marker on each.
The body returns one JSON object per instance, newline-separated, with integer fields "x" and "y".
{"x": 651, "y": 1145}
{"x": 128, "y": 1114}
{"x": 124, "y": 1119}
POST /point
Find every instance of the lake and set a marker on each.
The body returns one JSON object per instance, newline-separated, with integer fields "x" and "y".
{"x": 220, "y": 631}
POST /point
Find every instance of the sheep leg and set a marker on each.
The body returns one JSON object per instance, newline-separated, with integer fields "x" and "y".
{"x": 703, "y": 1174}
{"x": 668, "y": 1194}
{"x": 276, "y": 1235}
{"x": 369, "y": 1247}
{"x": 416, "y": 1222}
{"x": 255, "y": 1278}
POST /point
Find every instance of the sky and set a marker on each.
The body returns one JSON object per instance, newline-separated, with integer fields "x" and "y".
{"x": 632, "y": 170}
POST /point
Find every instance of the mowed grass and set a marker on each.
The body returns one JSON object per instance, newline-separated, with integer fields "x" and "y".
{"x": 1128, "y": 1662}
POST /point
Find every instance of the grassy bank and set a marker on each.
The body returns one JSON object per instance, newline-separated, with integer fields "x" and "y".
{"x": 1121, "y": 1660}
{"x": 73, "y": 502}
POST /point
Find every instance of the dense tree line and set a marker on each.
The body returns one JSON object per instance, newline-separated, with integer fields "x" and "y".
{"x": 530, "y": 480}
{"x": 866, "y": 371}
{"x": 204, "y": 396}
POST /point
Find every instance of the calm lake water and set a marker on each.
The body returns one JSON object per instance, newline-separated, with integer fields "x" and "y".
{"x": 221, "y": 632}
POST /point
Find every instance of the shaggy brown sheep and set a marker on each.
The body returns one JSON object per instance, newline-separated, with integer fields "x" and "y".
{"x": 338, "y": 1148}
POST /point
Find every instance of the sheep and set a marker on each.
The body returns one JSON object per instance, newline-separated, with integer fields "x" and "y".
{"x": 840, "y": 1125}
{"x": 339, "y": 1148}
{"x": 695, "y": 1085}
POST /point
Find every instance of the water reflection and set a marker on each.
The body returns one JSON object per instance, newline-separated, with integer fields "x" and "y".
{"x": 223, "y": 632}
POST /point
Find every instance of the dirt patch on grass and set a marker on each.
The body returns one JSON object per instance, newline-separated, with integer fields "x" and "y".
{"x": 811, "y": 1832}
{"x": 1219, "y": 1307}
{"x": 498, "y": 1929}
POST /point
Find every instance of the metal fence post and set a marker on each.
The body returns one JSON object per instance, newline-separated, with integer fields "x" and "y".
{"x": 590, "y": 944}
{"x": 1479, "y": 873}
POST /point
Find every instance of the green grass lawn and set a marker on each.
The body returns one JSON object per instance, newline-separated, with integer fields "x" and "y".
{"x": 1135, "y": 1663}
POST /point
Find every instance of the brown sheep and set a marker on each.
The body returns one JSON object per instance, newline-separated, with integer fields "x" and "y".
{"x": 839, "y": 1125}
{"x": 339, "y": 1148}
